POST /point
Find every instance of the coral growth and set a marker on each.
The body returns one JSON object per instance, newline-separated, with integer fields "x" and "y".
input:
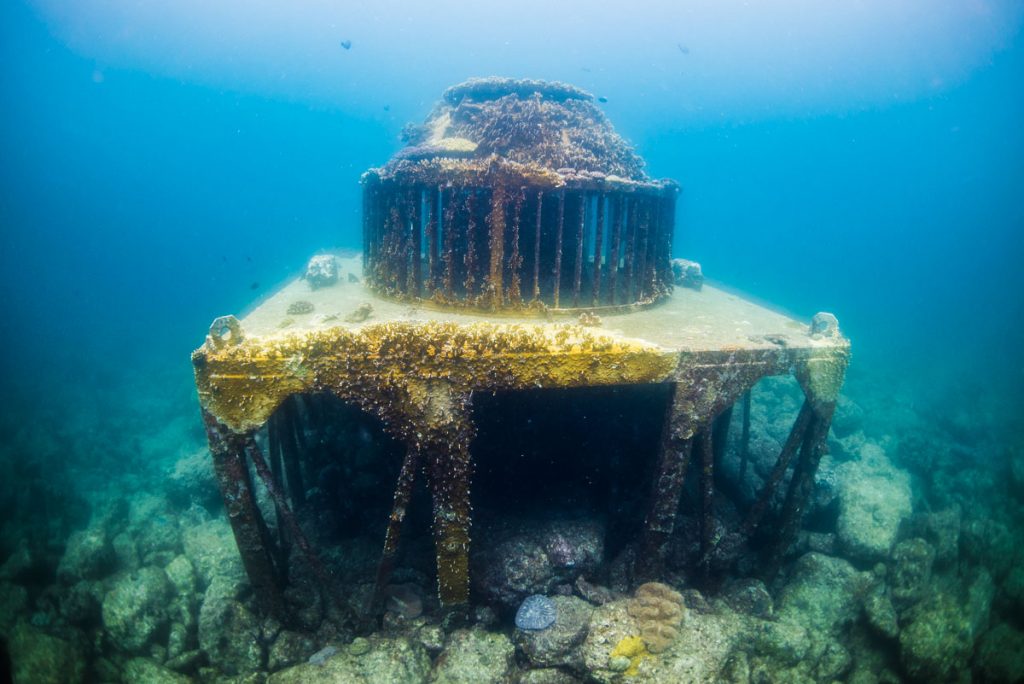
{"x": 300, "y": 307}
{"x": 631, "y": 650}
{"x": 658, "y": 610}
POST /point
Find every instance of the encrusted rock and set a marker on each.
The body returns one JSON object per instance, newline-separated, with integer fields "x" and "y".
{"x": 474, "y": 656}
{"x": 88, "y": 555}
{"x": 937, "y": 641}
{"x": 290, "y": 648}
{"x": 145, "y": 670}
{"x": 300, "y": 307}
{"x": 396, "y": 661}
{"x": 135, "y": 609}
{"x": 750, "y": 597}
{"x": 362, "y": 313}
{"x": 321, "y": 271}
{"x": 1001, "y": 654}
{"x": 228, "y": 631}
{"x": 211, "y": 548}
{"x": 191, "y": 480}
{"x": 874, "y": 498}
{"x": 822, "y": 594}
{"x": 824, "y": 324}
{"x": 536, "y": 560}
{"x": 43, "y": 659}
{"x": 687, "y": 274}
{"x": 912, "y": 570}
{"x": 558, "y": 644}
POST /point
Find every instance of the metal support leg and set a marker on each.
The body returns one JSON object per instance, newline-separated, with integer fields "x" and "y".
{"x": 705, "y": 447}
{"x": 403, "y": 493}
{"x": 802, "y": 484}
{"x": 250, "y": 532}
{"x": 745, "y": 437}
{"x": 673, "y": 461}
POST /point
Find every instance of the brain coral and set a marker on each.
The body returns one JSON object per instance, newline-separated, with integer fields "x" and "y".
{"x": 658, "y": 610}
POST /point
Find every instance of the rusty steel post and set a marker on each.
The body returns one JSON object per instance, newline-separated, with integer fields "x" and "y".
{"x": 802, "y": 483}
{"x": 577, "y": 277}
{"x": 536, "y": 247}
{"x": 558, "y": 247}
{"x": 745, "y": 437}
{"x": 402, "y": 497}
{"x": 673, "y": 460}
{"x": 595, "y": 287}
{"x": 796, "y": 437}
{"x": 251, "y": 535}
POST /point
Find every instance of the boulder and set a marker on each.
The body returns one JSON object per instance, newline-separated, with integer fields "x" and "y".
{"x": 321, "y": 271}
{"x": 474, "y": 656}
{"x": 210, "y": 547}
{"x": 874, "y": 498}
{"x": 536, "y": 559}
{"x": 228, "y": 631}
{"x": 43, "y": 659}
{"x": 145, "y": 670}
{"x": 1000, "y": 655}
{"x": 558, "y": 644}
{"x": 89, "y": 554}
{"x": 394, "y": 660}
{"x": 191, "y": 480}
{"x": 135, "y": 609}
{"x": 938, "y": 638}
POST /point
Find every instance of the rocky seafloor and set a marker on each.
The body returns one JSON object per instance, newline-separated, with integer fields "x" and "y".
{"x": 117, "y": 563}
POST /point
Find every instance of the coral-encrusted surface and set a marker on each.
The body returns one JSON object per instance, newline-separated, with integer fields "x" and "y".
{"x": 541, "y": 125}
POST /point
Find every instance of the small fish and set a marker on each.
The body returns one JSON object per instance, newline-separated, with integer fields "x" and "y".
{"x": 346, "y": 44}
{"x": 587, "y": 69}
{"x": 254, "y": 286}
{"x": 602, "y": 98}
{"x": 682, "y": 48}
{"x": 387, "y": 108}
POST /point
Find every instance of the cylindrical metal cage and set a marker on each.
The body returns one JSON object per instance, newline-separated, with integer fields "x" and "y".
{"x": 482, "y": 223}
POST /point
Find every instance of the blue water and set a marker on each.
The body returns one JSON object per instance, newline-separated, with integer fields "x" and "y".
{"x": 162, "y": 164}
{"x": 138, "y": 203}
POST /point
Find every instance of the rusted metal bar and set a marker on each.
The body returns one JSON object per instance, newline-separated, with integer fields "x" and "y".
{"x": 796, "y": 436}
{"x": 666, "y": 227}
{"x": 745, "y": 437}
{"x": 274, "y": 449}
{"x": 536, "y": 247}
{"x": 251, "y": 536}
{"x": 432, "y": 238}
{"x": 324, "y": 579}
{"x": 802, "y": 483}
{"x": 496, "y": 243}
{"x": 558, "y": 247}
{"x": 515, "y": 261}
{"x": 643, "y": 238}
{"x": 403, "y": 494}
{"x": 703, "y": 445}
{"x": 449, "y": 234}
{"x": 631, "y": 238}
{"x": 673, "y": 460}
{"x": 367, "y": 225}
{"x": 415, "y": 204}
{"x": 578, "y": 264}
{"x": 595, "y": 287}
{"x": 449, "y": 466}
{"x": 471, "y": 256}
{"x": 613, "y": 252}
{"x": 293, "y": 449}
{"x": 401, "y": 252}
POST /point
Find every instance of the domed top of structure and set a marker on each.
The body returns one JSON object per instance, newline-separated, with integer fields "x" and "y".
{"x": 518, "y": 195}
{"x": 546, "y": 132}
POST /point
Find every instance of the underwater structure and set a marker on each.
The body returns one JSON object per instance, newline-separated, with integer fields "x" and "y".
{"x": 514, "y": 244}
